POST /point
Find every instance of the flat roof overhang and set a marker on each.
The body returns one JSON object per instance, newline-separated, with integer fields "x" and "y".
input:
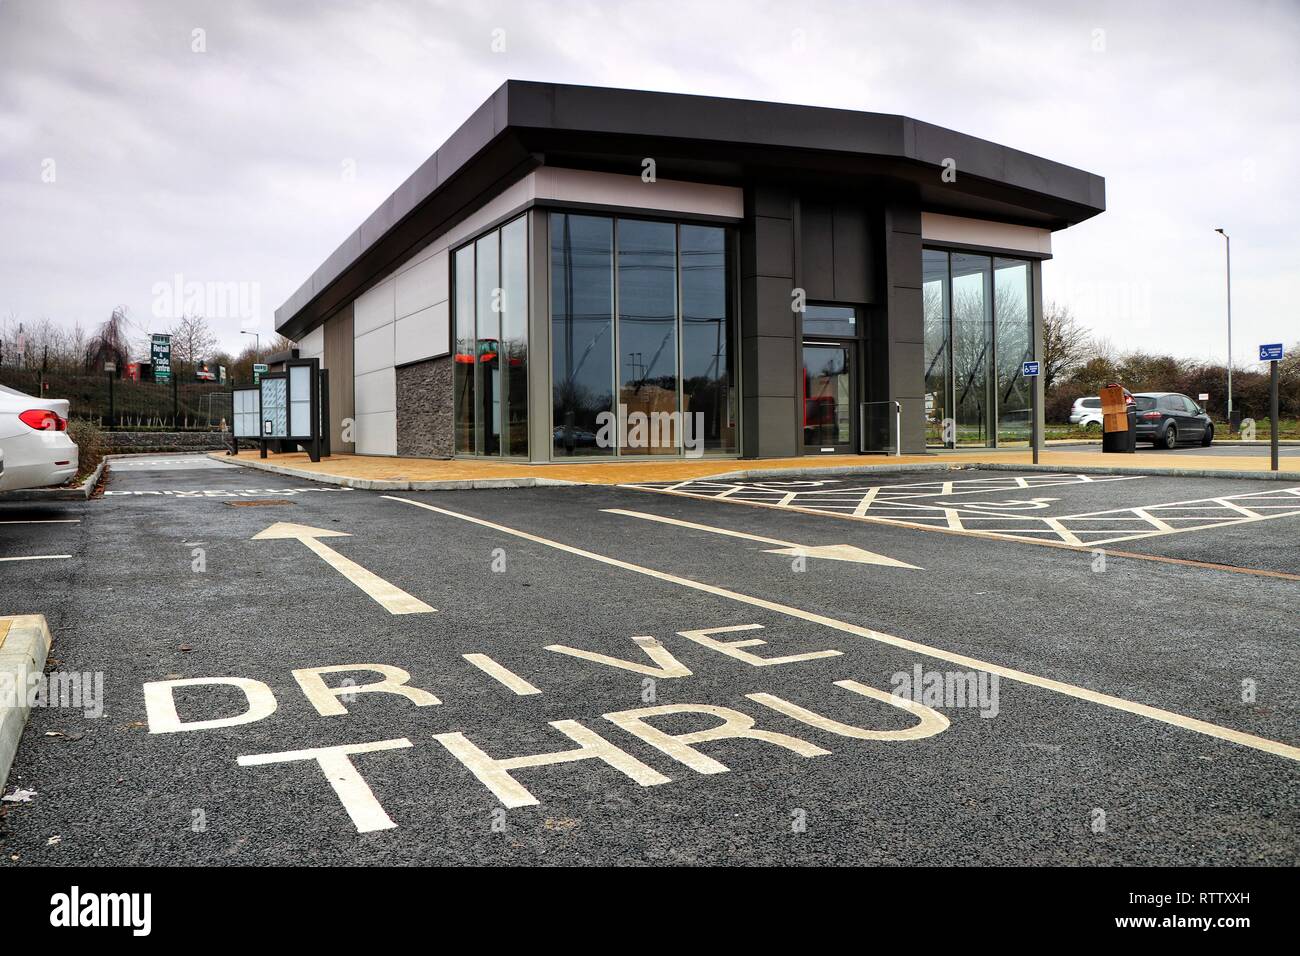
{"x": 700, "y": 138}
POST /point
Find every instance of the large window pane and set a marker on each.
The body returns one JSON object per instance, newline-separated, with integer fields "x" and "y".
{"x": 582, "y": 331}
{"x": 938, "y": 354}
{"x": 708, "y": 383}
{"x": 647, "y": 335}
{"x": 1015, "y": 344}
{"x": 972, "y": 344}
{"x": 465, "y": 353}
{"x": 487, "y": 308}
{"x": 514, "y": 334}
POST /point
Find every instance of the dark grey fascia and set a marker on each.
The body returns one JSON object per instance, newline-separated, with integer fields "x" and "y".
{"x": 701, "y": 138}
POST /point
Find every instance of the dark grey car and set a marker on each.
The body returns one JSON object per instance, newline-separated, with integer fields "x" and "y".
{"x": 1167, "y": 418}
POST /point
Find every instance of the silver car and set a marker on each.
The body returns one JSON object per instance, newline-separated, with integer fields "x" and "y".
{"x": 1086, "y": 412}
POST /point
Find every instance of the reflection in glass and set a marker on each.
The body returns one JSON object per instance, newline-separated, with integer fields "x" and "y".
{"x": 827, "y": 396}
{"x": 708, "y": 386}
{"x": 582, "y": 330}
{"x": 830, "y": 320}
{"x": 464, "y": 356}
{"x": 487, "y": 287}
{"x": 972, "y": 342}
{"x": 647, "y": 335}
{"x": 1015, "y": 344}
{"x": 514, "y": 334}
{"x": 936, "y": 315}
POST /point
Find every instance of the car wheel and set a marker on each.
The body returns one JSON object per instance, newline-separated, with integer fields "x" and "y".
{"x": 1170, "y": 437}
{"x": 1092, "y": 427}
{"x": 1208, "y": 437}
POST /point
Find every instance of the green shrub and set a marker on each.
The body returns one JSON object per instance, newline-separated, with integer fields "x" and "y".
{"x": 91, "y": 445}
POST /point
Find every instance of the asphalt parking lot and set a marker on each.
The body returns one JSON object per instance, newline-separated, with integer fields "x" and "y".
{"x": 778, "y": 673}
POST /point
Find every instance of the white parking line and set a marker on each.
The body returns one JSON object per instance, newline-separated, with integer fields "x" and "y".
{"x": 45, "y": 521}
{"x": 39, "y": 557}
{"x": 1070, "y": 690}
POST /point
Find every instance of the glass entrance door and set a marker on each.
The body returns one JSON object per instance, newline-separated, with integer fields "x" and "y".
{"x": 827, "y": 398}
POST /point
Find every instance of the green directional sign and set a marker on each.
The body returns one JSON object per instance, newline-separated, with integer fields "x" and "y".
{"x": 160, "y": 356}
{"x": 259, "y": 369}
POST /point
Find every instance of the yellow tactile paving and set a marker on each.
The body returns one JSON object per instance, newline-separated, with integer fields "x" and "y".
{"x": 609, "y": 472}
{"x": 4, "y": 630}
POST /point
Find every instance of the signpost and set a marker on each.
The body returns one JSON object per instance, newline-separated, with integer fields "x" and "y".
{"x": 1030, "y": 371}
{"x": 160, "y": 355}
{"x": 259, "y": 369}
{"x": 1272, "y": 354}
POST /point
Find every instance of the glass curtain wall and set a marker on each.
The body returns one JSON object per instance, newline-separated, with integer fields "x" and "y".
{"x": 1015, "y": 339}
{"x": 708, "y": 393}
{"x": 979, "y": 328}
{"x": 647, "y": 336}
{"x": 491, "y": 354}
{"x": 582, "y": 332}
{"x": 640, "y": 309}
{"x": 937, "y": 317}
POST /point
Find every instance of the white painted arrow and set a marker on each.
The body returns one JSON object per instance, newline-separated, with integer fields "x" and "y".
{"x": 832, "y": 552}
{"x": 393, "y": 598}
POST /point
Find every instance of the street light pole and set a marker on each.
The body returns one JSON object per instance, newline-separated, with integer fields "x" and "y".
{"x": 1228, "y": 252}
{"x": 257, "y": 342}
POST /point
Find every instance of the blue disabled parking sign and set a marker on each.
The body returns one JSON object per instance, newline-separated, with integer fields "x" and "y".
{"x": 1029, "y": 369}
{"x": 1270, "y": 353}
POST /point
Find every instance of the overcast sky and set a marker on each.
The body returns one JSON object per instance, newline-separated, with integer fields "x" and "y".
{"x": 242, "y": 140}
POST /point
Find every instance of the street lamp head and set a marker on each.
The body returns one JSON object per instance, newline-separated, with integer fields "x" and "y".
{"x": 1221, "y": 232}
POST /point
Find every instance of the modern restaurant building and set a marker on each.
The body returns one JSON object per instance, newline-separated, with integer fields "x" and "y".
{"x": 590, "y": 273}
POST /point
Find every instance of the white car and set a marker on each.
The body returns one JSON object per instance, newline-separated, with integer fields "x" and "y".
{"x": 34, "y": 441}
{"x": 1086, "y": 412}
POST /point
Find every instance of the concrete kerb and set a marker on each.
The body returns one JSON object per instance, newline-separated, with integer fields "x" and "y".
{"x": 24, "y": 648}
{"x": 380, "y": 484}
{"x": 63, "y": 493}
{"x": 759, "y": 474}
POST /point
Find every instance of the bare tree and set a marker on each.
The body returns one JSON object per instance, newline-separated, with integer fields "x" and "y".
{"x": 1066, "y": 344}
{"x": 192, "y": 340}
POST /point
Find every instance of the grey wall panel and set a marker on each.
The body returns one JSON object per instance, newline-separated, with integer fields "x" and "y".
{"x": 767, "y": 301}
{"x": 817, "y": 250}
{"x": 904, "y": 318}
{"x": 773, "y": 247}
{"x": 767, "y": 266}
{"x": 852, "y": 263}
{"x": 766, "y": 364}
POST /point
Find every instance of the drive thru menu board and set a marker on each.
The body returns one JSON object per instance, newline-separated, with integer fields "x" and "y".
{"x": 275, "y": 421}
{"x": 246, "y": 409}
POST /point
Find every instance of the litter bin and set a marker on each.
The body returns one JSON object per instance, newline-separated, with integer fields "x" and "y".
{"x": 1125, "y": 439}
{"x": 1119, "y": 420}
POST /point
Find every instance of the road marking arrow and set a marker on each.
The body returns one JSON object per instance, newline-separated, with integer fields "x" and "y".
{"x": 832, "y": 552}
{"x": 393, "y": 598}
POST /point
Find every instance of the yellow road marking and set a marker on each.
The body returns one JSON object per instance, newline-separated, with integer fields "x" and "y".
{"x": 4, "y": 631}
{"x": 501, "y": 674}
{"x": 833, "y": 552}
{"x": 392, "y": 598}
{"x": 1070, "y": 690}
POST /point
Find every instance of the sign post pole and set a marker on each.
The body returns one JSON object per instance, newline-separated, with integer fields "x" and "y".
{"x": 1272, "y": 401}
{"x": 1272, "y": 354}
{"x": 1030, "y": 371}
